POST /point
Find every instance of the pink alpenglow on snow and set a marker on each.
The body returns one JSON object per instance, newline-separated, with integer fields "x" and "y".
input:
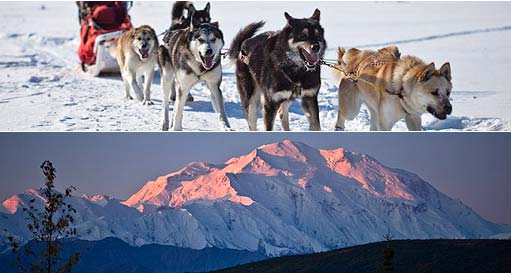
{"x": 280, "y": 198}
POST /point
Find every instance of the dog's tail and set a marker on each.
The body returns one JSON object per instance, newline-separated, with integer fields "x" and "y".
{"x": 178, "y": 10}
{"x": 112, "y": 49}
{"x": 338, "y": 75}
{"x": 244, "y": 34}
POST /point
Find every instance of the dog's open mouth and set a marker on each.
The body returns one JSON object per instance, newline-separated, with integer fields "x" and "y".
{"x": 310, "y": 59}
{"x": 144, "y": 53}
{"x": 207, "y": 61}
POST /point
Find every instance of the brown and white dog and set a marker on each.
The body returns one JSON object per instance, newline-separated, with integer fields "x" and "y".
{"x": 137, "y": 54}
{"x": 412, "y": 88}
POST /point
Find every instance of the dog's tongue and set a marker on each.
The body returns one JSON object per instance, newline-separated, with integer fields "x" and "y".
{"x": 311, "y": 58}
{"x": 208, "y": 62}
{"x": 144, "y": 53}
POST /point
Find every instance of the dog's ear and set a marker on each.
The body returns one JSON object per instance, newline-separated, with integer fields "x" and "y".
{"x": 340, "y": 54}
{"x": 193, "y": 23}
{"x": 216, "y": 24}
{"x": 132, "y": 33}
{"x": 445, "y": 71}
{"x": 191, "y": 9}
{"x": 427, "y": 72}
{"x": 289, "y": 18}
{"x": 207, "y": 8}
{"x": 316, "y": 15}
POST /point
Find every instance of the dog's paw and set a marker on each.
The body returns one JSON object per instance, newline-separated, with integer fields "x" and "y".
{"x": 228, "y": 129}
{"x": 128, "y": 98}
{"x": 225, "y": 126}
{"x": 339, "y": 129}
{"x": 190, "y": 98}
{"x": 165, "y": 127}
{"x": 147, "y": 102}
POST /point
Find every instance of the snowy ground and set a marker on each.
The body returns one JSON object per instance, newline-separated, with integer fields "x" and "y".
{"x": 42, "y": 88}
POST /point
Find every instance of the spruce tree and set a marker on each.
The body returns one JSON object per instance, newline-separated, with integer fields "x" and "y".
{"x": 388, "y": 254}
{"x": 47, "y": 226}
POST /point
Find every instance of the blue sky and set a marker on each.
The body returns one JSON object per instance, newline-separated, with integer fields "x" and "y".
{"x": 473, "y": 167}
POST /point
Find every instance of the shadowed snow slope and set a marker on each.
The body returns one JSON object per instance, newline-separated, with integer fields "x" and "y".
{"x": 280, "y": 198}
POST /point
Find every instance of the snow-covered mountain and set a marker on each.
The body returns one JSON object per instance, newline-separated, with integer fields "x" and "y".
{"x": 280, "y": 198}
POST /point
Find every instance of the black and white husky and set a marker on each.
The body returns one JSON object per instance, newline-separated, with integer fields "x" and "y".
{"x": 277, "y": 67}
{"x": 180, "y": 20}
{"x": 189, "y": 56}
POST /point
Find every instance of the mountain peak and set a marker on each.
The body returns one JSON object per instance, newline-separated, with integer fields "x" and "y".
{"x": 15, "y": 202}
{"x": 283, "y": 148}
{"x": 281, "y": 198}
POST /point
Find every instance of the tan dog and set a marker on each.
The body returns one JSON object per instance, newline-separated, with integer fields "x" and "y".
{"x": 137, "y": 54}
{"x": 412, "y": 88}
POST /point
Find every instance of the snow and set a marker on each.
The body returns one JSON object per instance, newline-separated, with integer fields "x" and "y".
{"x": 305, "y": 203}
{"x": 42, "y": 88}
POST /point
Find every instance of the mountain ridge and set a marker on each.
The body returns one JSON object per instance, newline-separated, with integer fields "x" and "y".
{"x": 284, "y": 197}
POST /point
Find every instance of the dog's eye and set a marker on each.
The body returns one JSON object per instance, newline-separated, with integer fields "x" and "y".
{"x": 213, "y": 40}
{"x": 302, "y": 36}
{"x": 435, "y": 93}
{"x": 201, "y": 40}
{"x": 140, "y": 39}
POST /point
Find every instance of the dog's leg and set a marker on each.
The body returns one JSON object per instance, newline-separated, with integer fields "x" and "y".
{"x": 249, "y": 96}
{"x": 384, "y": 123}
{"x": 270, "y": 108}
{"x": 284, "y": 115}
{"x": 184, "y": 84}
{"x": 349, "y": 104}
{"x": 311, "y": 109}
{"x": 167, "y": 78}
{"x": 217, "y": 100}
{"x": 127, "y": 95}
{"x": 173, "y": 90}
{"x": 131, "y": 77}
{"x": 374, "y": 119}
{"x": 140, "y": 83}
{"x": 173, "y": 93}
{"x": 413, "y": 122}
{"x": 147, "y": 87}
{"x": 252, "y": 111}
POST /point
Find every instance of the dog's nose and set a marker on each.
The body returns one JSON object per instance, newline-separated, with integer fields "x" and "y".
{"x": 448, "y": 108}
{"x": 315, "y": 47}
{"x": 209, "y": 51}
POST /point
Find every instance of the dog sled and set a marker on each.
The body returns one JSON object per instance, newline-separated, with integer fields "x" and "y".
{"x": 101, "y": 25}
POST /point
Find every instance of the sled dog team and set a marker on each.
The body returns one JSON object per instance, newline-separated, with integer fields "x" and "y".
{"x": 274, "y": 68}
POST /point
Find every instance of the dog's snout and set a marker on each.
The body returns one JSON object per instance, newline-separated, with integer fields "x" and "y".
{"x": 448, "y": 108}
{"x": 315, "y": 47}
{"x": 209, "y": 51}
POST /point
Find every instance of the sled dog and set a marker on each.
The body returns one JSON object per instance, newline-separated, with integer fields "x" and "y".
{"x": 189, "y": 56}
{"x": 275, "y": 67}
{"x": 412, "y": 88}
{"x": 181, "y": 21}
{"x": 137, "y": 54}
